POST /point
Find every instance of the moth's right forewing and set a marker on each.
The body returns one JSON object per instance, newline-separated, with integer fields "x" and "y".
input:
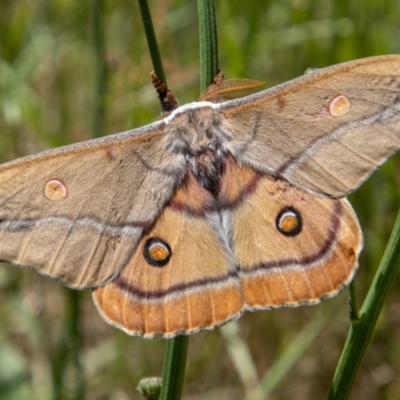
{"x": 325, "y": 132}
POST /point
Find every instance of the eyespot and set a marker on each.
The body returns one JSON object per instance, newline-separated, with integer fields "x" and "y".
{"x": 157, "y": 252}
{"x": 289, "y": 221}
{"x": 339, "y": 106}
{"x": 55, "y": 190}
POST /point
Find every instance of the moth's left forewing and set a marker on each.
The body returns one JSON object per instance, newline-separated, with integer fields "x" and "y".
{"x": 325, "y": 132}
{"x": 76, "y": 213}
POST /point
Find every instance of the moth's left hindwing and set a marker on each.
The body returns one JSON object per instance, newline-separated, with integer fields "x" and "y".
{"x": 182, "y": 277}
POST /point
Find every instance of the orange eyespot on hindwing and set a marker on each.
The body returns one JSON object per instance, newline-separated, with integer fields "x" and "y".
{"x": 55, "y": 190}
{"x": 339, "y": 106}
{"x": 156, "y": 252}
{"x": 289, "y": 221}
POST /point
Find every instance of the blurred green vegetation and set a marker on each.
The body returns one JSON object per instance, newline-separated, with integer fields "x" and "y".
{"x": 48, "y": 92}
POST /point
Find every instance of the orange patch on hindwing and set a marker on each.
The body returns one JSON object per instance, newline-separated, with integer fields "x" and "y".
{"x": 236, "y": 183}
{"x": 192, "y": 197}
{"x": 298, "y": 249}
{"x": 181, "y": 277}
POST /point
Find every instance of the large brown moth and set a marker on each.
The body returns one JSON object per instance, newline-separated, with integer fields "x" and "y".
{"x": 217, "y": 208}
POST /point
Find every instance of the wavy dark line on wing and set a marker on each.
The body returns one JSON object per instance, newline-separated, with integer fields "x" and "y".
{"x": 305, "y": 262}
{"x": 181, "y": 207}
{"x": 312, "y": 258}
{"x": 222, "y": 201}
{"x": 244, "y": 192}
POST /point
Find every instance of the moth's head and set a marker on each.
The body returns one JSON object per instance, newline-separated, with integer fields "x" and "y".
{"x": 196, "y": 131}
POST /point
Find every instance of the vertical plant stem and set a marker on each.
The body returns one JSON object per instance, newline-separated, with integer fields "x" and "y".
{"x": 151, "y": 40}
{"x": 361, "y": 329}
{"x": 59, "y": 361}
{"x": 208, "y": 42}
{"x": 68, "y": 351}
{"x": 174, "y": 368}
{"x": 75, "y": 342}
{"x": 101, "y": 69}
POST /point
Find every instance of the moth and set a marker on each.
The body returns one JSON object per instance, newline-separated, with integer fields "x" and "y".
{"x": 217, "y": 208}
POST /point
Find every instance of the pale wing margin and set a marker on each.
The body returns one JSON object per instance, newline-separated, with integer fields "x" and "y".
{"x": 290, "y": 131}
{"x": 114, "y": 189}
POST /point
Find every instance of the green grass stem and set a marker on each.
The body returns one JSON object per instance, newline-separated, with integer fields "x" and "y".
{"x": 101, "y": 70}
{"x": 151, "y": 40}
{"x": 208, "y": 42}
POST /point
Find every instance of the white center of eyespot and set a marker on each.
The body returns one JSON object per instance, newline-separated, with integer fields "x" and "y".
{"x": 339, "y": 106}
{"x": 55, "y": 190}
{"x": 288, "y": 221}
{"x": 158, "y": 251}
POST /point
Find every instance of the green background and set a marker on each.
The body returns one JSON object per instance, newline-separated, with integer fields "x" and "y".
{"x": 48, "y": 71}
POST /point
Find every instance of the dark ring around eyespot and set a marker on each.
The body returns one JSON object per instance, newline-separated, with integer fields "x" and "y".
{"x": 286, "y": 212}
{"x": 149, "y": 245}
